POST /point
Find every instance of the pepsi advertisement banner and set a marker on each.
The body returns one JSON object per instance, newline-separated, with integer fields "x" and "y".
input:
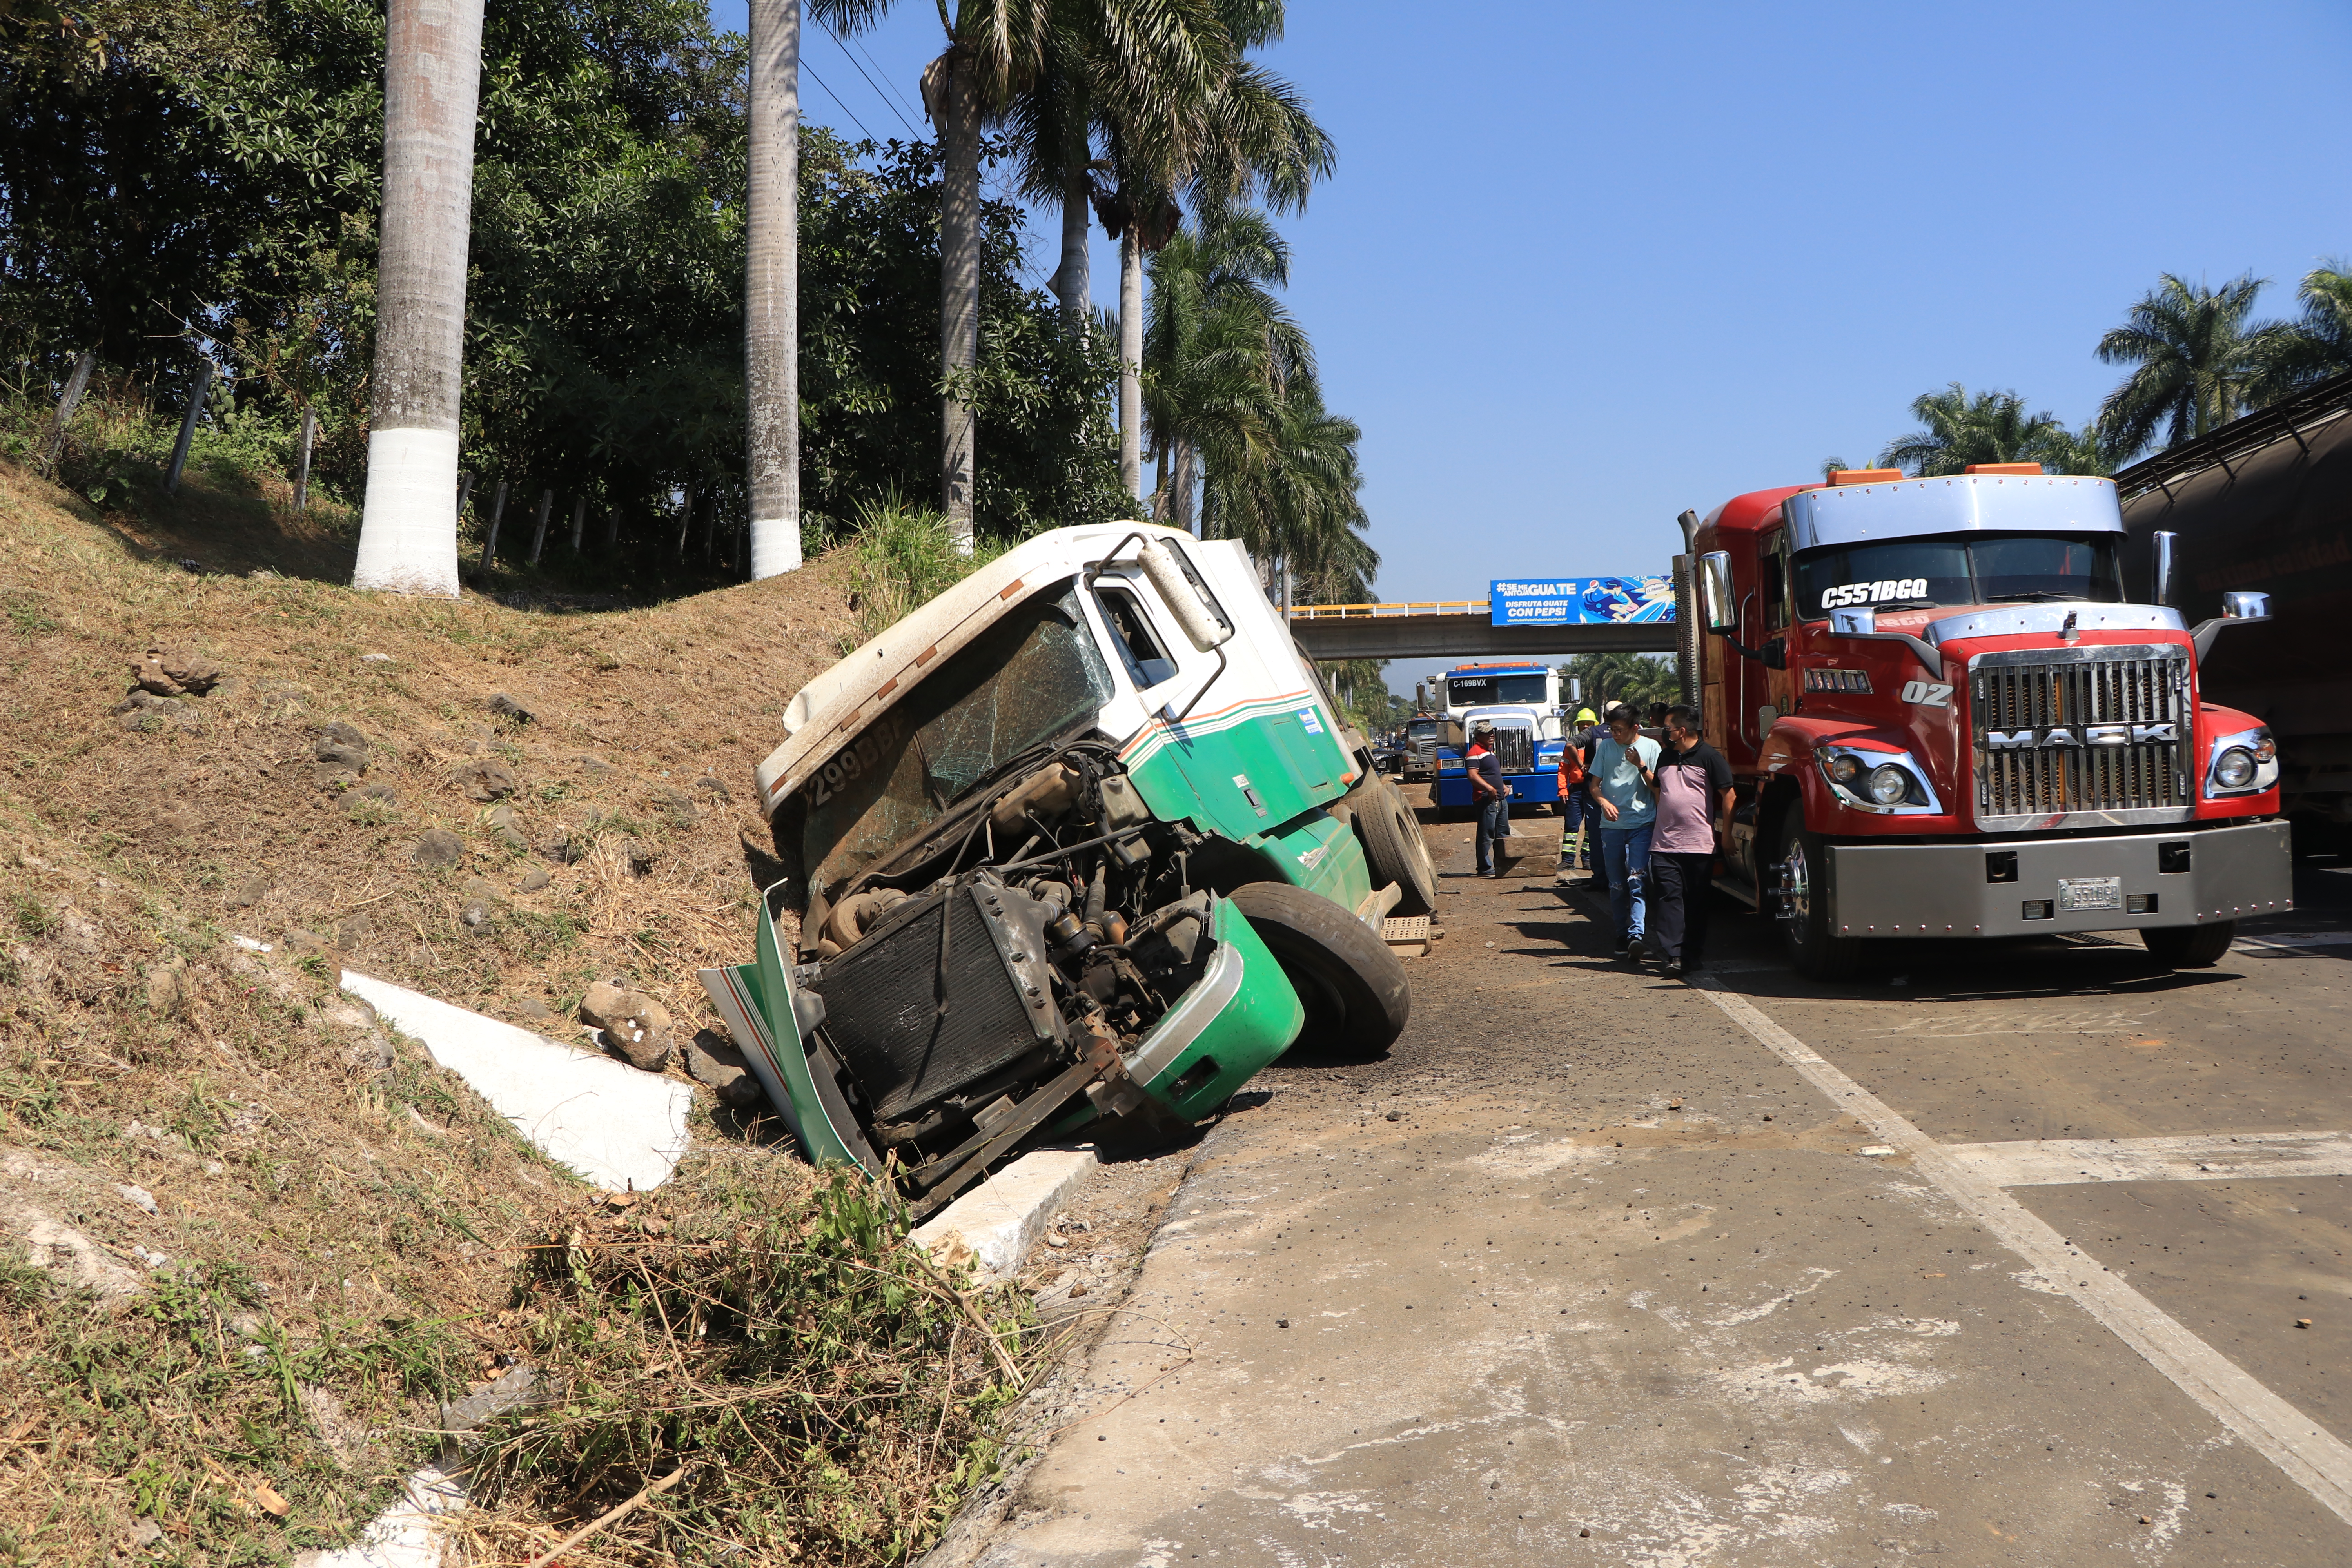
{"x": 1581, "y": 601}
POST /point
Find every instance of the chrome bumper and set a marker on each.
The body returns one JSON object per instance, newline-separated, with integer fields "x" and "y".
{"x": 1945, "y": 890}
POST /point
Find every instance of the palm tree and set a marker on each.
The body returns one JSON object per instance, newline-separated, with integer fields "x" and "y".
{"x": 1217, "y": 348}
{"x": 1991, "y": 428}
{"x": 1248, "y": 139}
{"x": 2319, "y": 344}
{"x": 2199, "y": 360}
{"x": 771, "y": 288}
{"x": 433, "y": 76}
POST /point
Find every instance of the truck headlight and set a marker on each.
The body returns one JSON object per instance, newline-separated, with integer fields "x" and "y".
{"x": 1845, "y": 767}
{"x": 1888, "y": 781}
{"x": 1887, "y": 786}
{"x": 2234, "y": 769}
{"x": 2245, "y": 762}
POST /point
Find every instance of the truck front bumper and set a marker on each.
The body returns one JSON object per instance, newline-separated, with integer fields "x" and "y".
{"x": 2126, "y": 882}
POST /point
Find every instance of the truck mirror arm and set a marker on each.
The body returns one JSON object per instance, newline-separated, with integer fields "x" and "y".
{"x": 1862, "y": 625}
{"x": 2202, "y": 636}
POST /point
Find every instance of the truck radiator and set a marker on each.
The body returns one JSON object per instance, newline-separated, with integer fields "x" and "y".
{"x": 1516, "y": 750}
{"x": 2040, "y": 752}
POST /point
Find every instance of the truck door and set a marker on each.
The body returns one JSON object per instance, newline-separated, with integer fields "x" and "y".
{"x": 1775, "y": 692}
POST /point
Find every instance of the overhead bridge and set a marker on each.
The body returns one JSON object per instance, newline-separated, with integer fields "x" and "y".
{"x": 1448, "y": 627}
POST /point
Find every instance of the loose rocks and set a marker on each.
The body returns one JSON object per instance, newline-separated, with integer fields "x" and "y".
{"x": 502, "y": 822}
{"x": 534, "y": 880}
{"x": 249, "y": 892}
{"x": 175, "y": 672}
{"x": 506, "y": 707}
{"x": 376, "y": 800}
{"x": 484, "y": 780}
{"x": 715, "y": 1062}
{"x": 634, "y": 1024}
{"x": 339, "y": 749}
{"x": 143, "y": 711}
{"x": 367, "y": 1047}
{"x": 437, "y": 847}
{"x": 713, "y": 788}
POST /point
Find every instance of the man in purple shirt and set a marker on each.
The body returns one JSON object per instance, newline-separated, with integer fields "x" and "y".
{"x": 1695, "y": 796}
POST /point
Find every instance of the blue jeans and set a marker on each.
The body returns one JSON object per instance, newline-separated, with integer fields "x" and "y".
{"x": 1494, "y": 822}
{"x": 1626, "y": 852}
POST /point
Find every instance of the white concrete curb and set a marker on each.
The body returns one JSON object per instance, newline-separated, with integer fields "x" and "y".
{"x": 1001, "y": 1220}
{"x": 605, "y": 1118}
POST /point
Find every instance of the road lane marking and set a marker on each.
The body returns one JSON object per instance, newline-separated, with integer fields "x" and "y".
{"x": 2290, "y": 942}
{"x": 2059, "y": 1161}
{"x": 2313, "y": 1457}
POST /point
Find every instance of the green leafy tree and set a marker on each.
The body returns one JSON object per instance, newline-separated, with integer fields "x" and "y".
{"x": 2200, "y": 361}
{"x": 1638, "y": 678}
{"x": 1957, "y": 430}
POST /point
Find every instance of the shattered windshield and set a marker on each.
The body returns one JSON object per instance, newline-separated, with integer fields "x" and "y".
{"x": 1972, "y": 569}
{"x": 1034, "y": 675}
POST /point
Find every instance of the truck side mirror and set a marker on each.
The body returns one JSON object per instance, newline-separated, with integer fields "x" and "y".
{"x": 2239, "y": 607}
{"x": 1861, "y": 621}
{"x": 1714, "y": 590}
{"x": 1202, "y": 625}
{"x": 2162, "y": 580}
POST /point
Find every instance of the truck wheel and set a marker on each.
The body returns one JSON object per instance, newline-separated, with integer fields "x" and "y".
{"x": 1353, "y": 988}
{"x": 1804, "y": 915}
{"x": 2191, "y": 947}
{"x": 1393, "y": 847}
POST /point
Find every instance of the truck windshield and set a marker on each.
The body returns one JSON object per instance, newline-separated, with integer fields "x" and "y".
{"x": 1469, "y": 690}
{"x": 1964, "y": 569}
{"x": 1034, "y": 675}
{"x": 1425, "y": 730}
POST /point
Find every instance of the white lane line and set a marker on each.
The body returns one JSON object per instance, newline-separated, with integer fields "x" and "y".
{"x": 2313, "y": 1457}
{"x": 2290, "y": 942}
{"x": 2057, "y": 1162}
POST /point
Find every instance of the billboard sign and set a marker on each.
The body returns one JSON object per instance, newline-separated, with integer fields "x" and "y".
{"x": 1581, "y": 601}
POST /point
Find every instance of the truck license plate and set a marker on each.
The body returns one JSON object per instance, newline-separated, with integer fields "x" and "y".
{"x": 2090, "y": 892}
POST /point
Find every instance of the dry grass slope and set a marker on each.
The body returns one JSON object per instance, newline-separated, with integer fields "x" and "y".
{"x": 293, "y": 1237}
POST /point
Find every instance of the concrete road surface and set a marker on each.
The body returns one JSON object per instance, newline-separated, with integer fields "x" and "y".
{"x": 1995, "y": 1255}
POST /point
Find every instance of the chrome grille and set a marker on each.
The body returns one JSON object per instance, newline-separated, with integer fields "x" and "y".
{"x": 1516, "y": 750}
{"x": 2029, "y": 692}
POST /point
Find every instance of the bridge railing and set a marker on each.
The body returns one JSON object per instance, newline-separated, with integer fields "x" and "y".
{"x": 1390, "y": 607}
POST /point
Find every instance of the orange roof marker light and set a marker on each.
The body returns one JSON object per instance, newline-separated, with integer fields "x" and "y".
{"x": 2032, "y": 469}
{"x": 1864, "y": 476}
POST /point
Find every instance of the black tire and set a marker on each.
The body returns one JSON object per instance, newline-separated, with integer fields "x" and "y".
{"x": 1354, "y": 989}
{"x": 1394, "y": 849}
{"x": 2191, "y": 947}
{"x": 1804, "y": 915}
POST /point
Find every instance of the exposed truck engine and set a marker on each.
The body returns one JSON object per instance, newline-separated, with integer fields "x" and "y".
{"x": 1083, "y": 844}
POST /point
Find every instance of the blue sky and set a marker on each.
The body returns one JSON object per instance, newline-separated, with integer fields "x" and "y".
{"x": 1583, "y": 265}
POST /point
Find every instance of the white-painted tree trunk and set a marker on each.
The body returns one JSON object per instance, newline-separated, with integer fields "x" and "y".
{"x": 408, "y": 524}
{"x": 1131, "y": 360}
{"x": 771, "y": 288}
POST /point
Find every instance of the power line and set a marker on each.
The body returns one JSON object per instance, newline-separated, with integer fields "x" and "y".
{"x": 837, "y": 100}
{"x": 891, "y": 86}
{"x": 843, "y": 45}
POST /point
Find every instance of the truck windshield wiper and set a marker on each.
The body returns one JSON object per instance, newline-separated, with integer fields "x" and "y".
{"x": 2038, "y": 596}
{"x": 1904, "y": 605}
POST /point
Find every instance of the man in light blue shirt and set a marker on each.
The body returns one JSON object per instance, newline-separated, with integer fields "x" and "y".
{"x": 1625, "y": 781}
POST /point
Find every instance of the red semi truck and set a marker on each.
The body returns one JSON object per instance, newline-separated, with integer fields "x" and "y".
{"x": 1945, "y": 718}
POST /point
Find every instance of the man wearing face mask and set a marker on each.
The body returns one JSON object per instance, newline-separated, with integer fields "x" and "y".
{"x": 1624, "y": 780}
{"x": 1694, "y": 800}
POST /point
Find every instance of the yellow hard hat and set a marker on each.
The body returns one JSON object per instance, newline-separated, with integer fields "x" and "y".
{"x": 1584, "y": 716}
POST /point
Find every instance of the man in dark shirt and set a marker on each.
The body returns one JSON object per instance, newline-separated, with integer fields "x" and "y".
{"x": 1695, "y": 796}
{"x": 1494, "y": 806}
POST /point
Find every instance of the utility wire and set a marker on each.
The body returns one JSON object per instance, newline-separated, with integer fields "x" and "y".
{"x": 892, "y": 86}
{"x": 878, "y": 92}
{"x": 837, "y": 100}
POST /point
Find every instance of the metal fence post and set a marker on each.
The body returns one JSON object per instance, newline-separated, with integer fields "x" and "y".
{"x": 497, "y": 510}
{"x": 52, "y": 442}
{"x": 685, "y": 522}
{"x": 539, "y": 534}
{"x": 188, "y": 427}
{"x": 579, "y": 521}
{"x": 303, "y": 460}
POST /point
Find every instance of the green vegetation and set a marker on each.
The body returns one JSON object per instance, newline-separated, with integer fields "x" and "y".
{"x": 2199, "y": 359}
{"x": 795, "y": 1382}
{"x": 1638, "y": 678}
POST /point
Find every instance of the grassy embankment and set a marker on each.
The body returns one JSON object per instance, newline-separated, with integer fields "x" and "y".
{"x": 322, "y": 1248}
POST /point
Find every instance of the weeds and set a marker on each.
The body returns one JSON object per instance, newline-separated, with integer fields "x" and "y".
{"x": 902, "y": 558}
{"x": 828, "y": 1393}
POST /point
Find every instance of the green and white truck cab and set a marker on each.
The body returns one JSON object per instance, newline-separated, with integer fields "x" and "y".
{"x": 1083, "y": 837}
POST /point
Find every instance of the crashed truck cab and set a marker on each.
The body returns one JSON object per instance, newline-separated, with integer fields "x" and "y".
{"x": 1083, "y": 840}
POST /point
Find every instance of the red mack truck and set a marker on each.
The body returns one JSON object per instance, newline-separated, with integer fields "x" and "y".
{"x": 1945, "y": 718}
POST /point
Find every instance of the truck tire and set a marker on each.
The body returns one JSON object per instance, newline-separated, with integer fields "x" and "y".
{"x": 1804, "y": 916}
{"x": 1393, "y": 847}
{"x": 1353, "y": 988}
{"x": 2191, "y": 947}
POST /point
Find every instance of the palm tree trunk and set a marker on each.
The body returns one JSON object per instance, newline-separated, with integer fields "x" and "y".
{"x": 772, "y": 290}
{"x": 433, "y": 75}
{"x": 1186, "y": 457}
{"x": 1130, "y": 360}
{"x": 1072, "y": 281}
{"x": 958, "y": 289}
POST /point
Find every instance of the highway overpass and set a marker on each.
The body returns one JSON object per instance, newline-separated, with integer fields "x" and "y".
{"x": 1459, "y": 628}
